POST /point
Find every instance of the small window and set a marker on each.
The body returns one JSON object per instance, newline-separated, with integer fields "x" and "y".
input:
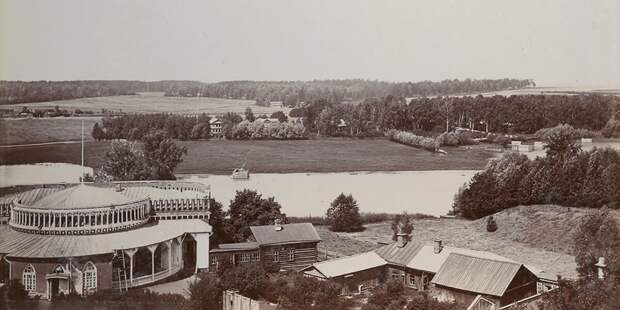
{"x": 245, "y": 257}
{"x": 255, "y": 257}
{"x": 291, "y": 255}
{"x": 276, "y": 255}
{"x": 213, "y": 260}
{"x": 412, "y": 281}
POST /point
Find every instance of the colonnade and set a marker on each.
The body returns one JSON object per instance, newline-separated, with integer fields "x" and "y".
{"x": 31, "y": 218}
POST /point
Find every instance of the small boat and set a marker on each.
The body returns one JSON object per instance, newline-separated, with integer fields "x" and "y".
{"x": 241, "y": 174}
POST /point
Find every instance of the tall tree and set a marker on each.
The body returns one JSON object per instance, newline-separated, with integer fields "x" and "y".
{"x": 163, "y": 154}
{"x": 343, "y": 214}
{"x": 97, "y": 133}
{"x": 249, "y": 115}
{"x": 401, "y": 223}
{"x": 125, "y": 161}
{"x": 249, "y": 208}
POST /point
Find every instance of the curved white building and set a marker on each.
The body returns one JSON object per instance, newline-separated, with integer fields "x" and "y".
{"x": 86, "y": 237}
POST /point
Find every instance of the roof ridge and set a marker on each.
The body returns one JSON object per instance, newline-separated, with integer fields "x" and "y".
{"x": 488, "y": 258}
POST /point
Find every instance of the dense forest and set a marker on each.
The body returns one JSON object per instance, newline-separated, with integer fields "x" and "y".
{"x": 524, "y": 114}
{"x": 41, "y": 91}
{"x": 291, "y": 93}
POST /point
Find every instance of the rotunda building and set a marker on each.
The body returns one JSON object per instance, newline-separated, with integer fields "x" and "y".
{"x": 60, "y": 239}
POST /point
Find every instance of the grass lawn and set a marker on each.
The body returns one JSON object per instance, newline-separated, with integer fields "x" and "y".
{"x": 151, "y": 103}
{"x": 540, "y": 236}
{"x": 269, "y": 156}
{"x": 40, "y": 130}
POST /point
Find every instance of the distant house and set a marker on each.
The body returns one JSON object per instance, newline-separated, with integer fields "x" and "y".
{"x": 447, "y": 273}
{"x": 276, "y": 104}
{"x": 289, "y": 246}
{"x": 267, "y": 120}
{"x": 216, "y": 126}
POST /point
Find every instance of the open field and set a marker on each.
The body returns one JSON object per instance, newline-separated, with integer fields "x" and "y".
{"x": 473, "y": 235}
{"x": 153, "y": 103}
{"x": 270, "y": 156}
{"x": 41, "y": 130}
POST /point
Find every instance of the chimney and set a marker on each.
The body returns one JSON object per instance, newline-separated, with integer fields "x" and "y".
{"x": 437, "y": 246}
{"x": 276, "y": 225}
{"x": 401, "y": 239}
{"x": 601, "y": 267}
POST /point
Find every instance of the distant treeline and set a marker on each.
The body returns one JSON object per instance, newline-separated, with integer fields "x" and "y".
{"x": 290, "y": 93}
{"x": 136, "y": 126}
{"x": 514, "y": 114}
{"x": 40, "y": 91}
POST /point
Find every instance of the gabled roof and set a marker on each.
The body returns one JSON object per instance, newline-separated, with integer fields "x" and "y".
{"x": 475, "y": 274}
{"x": 290, "y": 233}
{"x": 429, "y": 261}
{"x": 345, "y": 265}
{"x": 399, "y": 256}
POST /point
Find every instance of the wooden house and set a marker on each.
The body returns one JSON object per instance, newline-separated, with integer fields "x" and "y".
{"x": 289, "y": 246}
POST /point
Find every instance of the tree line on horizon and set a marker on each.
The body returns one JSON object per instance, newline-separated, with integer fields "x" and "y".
{"x": 264, "y": 92}
{"x": 522, "y": 114}
{"x": 292, "y": 93}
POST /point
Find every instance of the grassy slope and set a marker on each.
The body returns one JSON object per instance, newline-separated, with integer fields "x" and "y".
{"x": 316, "y": 155}
{"x": 153, "y": 102}
{"x": 38, "y": 130}
{"x": 540, "y": 236}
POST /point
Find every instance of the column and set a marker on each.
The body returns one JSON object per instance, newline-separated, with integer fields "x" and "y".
{"x": 169, "y": 245}
{"x": 152, "y": 249}
{"x": 131, "y": 253}
{"x": 202, "y": 250}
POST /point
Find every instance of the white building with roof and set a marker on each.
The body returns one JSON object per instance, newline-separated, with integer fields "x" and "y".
{"x": 86, "y": 237}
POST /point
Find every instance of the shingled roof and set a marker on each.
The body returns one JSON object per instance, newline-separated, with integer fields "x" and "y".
{"x": 345, "y": 265}
{"x": 290, "y": 233}
{"x": 399, "y": 255}
{"x": 476, "y": 274}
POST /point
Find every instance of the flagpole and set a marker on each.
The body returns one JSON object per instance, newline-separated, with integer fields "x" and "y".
{"x": 82, "y": 178}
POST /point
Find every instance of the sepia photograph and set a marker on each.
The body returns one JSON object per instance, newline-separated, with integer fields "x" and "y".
{"x": 310, "y": 154}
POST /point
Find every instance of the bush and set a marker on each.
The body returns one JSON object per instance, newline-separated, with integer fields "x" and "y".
{"x": 410, "y": 139}
{"x": 16, "y": 291}
{"x": 491, "y": 225}
{"x": 565, "y": 130}
{"x": 270, "y": 131}
{"x": 455, "y": 139}
{"x": 497, "y": 139}
{"x": 611, "y": 129}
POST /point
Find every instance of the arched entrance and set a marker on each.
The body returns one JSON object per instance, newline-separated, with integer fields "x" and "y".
{"x": 57, "y": 282}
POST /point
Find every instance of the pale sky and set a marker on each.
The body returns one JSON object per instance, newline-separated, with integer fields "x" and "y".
{"x": 554, "y": 42}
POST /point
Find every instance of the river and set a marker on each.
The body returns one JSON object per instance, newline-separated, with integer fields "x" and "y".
{"x": 300, "y": 194}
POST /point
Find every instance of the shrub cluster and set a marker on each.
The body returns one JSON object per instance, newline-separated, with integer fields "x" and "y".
{"x": 455, "y": 139}
{"x": 611, "y": 129}
{"x": 497, "y": 139}
{"x": 565, "y": 130}
{"x": 582, "y": 179}
{"x": 410, "y": 139}
{"x": 260, "y": 131}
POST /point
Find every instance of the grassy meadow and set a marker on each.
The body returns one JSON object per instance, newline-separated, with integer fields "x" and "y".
{"x": 42, "y": 130}
{"x": 540, "y": 236}
{"x": 272, "y": 156}
{"x": 153, "y": 102}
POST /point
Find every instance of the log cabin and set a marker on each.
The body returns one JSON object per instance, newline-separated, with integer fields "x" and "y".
{"x": 287, "y": 246}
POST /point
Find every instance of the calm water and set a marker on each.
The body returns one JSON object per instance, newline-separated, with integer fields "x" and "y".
{"x": 302, "y": 194}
